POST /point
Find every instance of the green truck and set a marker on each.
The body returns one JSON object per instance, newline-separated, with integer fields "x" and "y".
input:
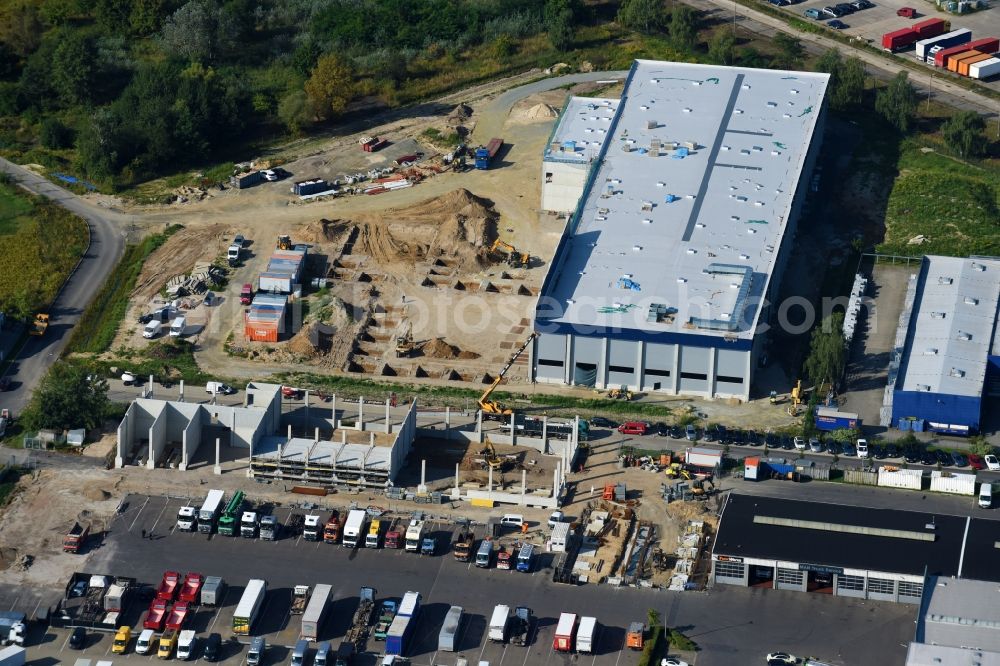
{"x": 229, "y": 523}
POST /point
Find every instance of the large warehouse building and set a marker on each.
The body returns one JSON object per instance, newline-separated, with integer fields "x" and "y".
{"x": 848, "y": 551}
{"x": 949, "y": 351}
{"x": 689, "y": 191}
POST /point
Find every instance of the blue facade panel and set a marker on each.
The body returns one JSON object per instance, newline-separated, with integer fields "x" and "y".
{"x": 938, "y": 410}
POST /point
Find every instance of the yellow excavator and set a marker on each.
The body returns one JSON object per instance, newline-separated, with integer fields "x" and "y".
{"x": 493, "y": 461}
{"x": 404, "y": 343}
{"x": 492, "y": 407}
{"x": 284, "y": 243}
{"x": 676, "y": 470}
{"x": 797, "y": 395}
{"x": 515, "y": 258}
{"x": 621, "y": 393}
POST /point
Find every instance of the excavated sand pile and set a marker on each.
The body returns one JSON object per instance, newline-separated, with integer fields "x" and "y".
{"x": 438, "y": 348}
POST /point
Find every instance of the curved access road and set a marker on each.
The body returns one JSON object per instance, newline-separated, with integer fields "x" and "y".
{"x": 107, "y": 243}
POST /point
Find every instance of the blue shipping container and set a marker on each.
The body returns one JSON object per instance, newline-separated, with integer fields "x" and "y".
{"x": 398, "y": 637}
{"x": 831, "y": 419}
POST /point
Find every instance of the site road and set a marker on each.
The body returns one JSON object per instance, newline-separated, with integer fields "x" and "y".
{"x": 731, "y": 625}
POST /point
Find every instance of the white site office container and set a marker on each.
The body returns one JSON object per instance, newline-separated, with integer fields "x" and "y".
{"x": 560, "y": 535}
{"x": 893, "y": 477}
{"x": 585, "y": 634}
{"x": 950, "y": 482}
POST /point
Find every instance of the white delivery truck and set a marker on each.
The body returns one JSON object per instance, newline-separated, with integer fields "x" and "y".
{"x": 186, "y": 644}
{"x": 354, "y": 528}
{"x": 316, "y": 609}
{"x": 498, "y": 623}
{"x": 585, "y": 634}
{"x": 152, "y": 329}
{"x": 249, "y": 606}
{"x": 177, "y": 327}
{"x": 187, "y": 519}
{"x": 414, "y": 535}
{"x": 210, "y": 510}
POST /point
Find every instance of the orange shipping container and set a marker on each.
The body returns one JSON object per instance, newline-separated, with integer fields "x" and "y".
{"x": 963, "y": 67}
{"x": 258, "y": 332}
{"x": 959, "y": 57}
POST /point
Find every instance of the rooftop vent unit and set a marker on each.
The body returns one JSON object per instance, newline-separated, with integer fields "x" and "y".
{"x": 976, "y": 266}
{"x": 931, "y": 351}
{"x": 923, "y": 387}
{"x": 955, "y": 372}
{"x": 969, "y": 300}
{"x": 651, "y": 124}
{"x": 945, "y": 280}
{"x": 962, "y": 335}
{"x": 937, "y": 315}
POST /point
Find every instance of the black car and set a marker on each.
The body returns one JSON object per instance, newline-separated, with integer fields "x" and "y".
{"x": 662, "y": 429}
{"x": 943, "y": 458}
{"x": 832, "y": 447}
{"x": 601, "y": 422}
{"x": 752, "y": 438}
{"x": 213, "y": 648}
{"x": 849, "y": 450}
{"x": 877, "y": 451}
{"x": 891, "y": 451}
{"x": 78, "y": 639}
{"x": 928, "y": 458}
{"x": 912, "y": 453}
{"x": 959, "y": 459}
{"x": 722, "y": 434}
{"x": 845, "y": 7}
{"x": 711, "y": 434}
{"x": 770, "y": 440}
{"x": 787, "y": 443}
{"x": 676, "y": 432}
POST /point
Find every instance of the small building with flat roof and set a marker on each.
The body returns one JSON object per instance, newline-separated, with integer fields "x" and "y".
{"x": 958, "y": 624}
{"x": 951, "y": 351}
{"x": 662, "y": 277}
{"x": 577, "y": 140}
{"x": 852, "y": 551}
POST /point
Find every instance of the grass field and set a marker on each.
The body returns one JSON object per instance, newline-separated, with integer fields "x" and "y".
{"x": 40, "y": 243}
{"x": 954, "y": 204}
{"x": 99, "y": 324}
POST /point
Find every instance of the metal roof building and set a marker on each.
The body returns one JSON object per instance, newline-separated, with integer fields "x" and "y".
{"x": 664, "y": 269}
{"x": 952, "y": 346}
{"x": 958, "y": 623}
{"x": 853, "y": 551}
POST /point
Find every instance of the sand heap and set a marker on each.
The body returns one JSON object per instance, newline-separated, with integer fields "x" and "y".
{"x": 438, "y": 348}
{"x": 327, "y": 319}
{"x": 456, "y": 225}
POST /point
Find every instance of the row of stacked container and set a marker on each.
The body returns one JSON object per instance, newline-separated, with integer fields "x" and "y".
{"x": 265, "y": 320}
{"x": 953, "y": 50}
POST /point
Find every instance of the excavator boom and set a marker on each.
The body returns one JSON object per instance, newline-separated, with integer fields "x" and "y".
{"x": 490, "y": 406}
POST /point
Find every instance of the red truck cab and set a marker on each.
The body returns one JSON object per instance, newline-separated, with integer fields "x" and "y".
{"x": 246, "y": 294}
{"x": 632, "y": 428}
{"x": 906, "y": 12}
{"x": 393, "y": 539}
{"x": 331, "y": 532}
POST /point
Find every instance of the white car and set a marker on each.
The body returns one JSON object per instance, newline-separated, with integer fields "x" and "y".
{"x": 862, "y": 447}
{"x": 556, "y": 517}
{"x": 992, "y": 463}
{"x": 270, "y": 175}
{"x": 800, "y": 444}
{"x": 781, "y": 657}
{"x": 673, "y": 661}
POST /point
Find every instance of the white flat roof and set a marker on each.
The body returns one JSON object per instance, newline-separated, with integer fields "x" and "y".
{"x": 582, "y": 129}
{"x": 920, "y": 654}
{"x": 348, "y": 456}
{"x": 952, "y": 327}
{"x": 694, "y": 230}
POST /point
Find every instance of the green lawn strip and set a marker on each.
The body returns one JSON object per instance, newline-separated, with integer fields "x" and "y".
{"x": 97, "y": 327}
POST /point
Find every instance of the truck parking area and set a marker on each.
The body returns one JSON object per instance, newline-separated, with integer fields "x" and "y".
{"x": 443, "y": 582}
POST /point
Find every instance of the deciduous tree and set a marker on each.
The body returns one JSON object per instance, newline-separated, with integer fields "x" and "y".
{"x": 70, "y": 396}
{"x": 683, "y": 28}
{"x": 721, "y": 49}
{"x": 642, "y": 15}
{"x": 330, "y": 87}
{"x": 827, "y": 353}
{"x": 964, "y": 133}
{"x": 897, "y": 103}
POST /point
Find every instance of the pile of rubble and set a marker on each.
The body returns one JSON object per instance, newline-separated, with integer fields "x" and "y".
{"x": 197, "y": 282}
{"x": 689, "y": 551}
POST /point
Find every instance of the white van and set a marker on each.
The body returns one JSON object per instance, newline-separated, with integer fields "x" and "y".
{"x": 512, "y": 520}
{"x": 986, "y": 495}
{"x": 146, "y": 641}
{"x": 177, "y": 327}
{"x": 152, "y": 329}
{"x": 862, "y": 448}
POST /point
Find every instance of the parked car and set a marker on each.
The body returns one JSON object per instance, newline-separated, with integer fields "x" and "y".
{"x": 906, "y": 12}
{"x": 992, "y": 463}
{"x": 959, "y": 459}
{"x": 78, "y": 639}
{"x": 912, "y": 453}
{"x": 691, "y": 433}
{"x": 556, "y": 517}
{"x": 849, "y": 450}
{"x": 219, "y": 388}
{"x": 838, "y": 25}
{"x": 862, "y": 4}
{"x": 770, "y": 440}
{"x": 832, "y": 12}
{"x": 289, "y": 392}
{"x": 711, "y": 434}
{"x": 781, "y": 658}
{"x": 661, "y": 429}
{"x": 976, "y": 461}
{"x": 676, "y": 432}
{"x": 862, "y": 447}
{"x": 800, "y": 444}
{"x": 752, "y": 438}
{"x": 877, "y": 451}
{"x": 787, "y": 443}
{"x": 845, "y": 7}
{"x": 739, "y": 438}
{"x": 815, "y": 445}
{"x": 240, "y": 240}
{"x": 832, "y": 447}
{"x": 928, "y": 457}
{"x": 943, "y": 458}
{"x": 891, "y": 451}
{"x": 813, "y": 13}
{"x": 213, "y": 648}
{"x": 601, "y": 422}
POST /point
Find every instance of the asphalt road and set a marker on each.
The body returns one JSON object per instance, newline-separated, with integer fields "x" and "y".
{"x": 731, "y": 625}
{"x": 106, "y": 246}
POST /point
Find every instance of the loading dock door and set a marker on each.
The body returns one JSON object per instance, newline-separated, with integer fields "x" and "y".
{"x": 761, "y": 576}
{"x": 585, "y": 374}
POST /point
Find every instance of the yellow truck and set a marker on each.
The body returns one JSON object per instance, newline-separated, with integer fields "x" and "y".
{"x": 124, "y": 635}
{"x": 168, "y": 642}
{"x": 40, "y": 324}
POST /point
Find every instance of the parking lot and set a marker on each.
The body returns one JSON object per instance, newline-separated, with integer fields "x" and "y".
{"x": 731, "y": 625}
{"x": 870, "y": 24}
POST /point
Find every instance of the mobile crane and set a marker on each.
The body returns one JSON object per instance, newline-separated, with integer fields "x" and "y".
{"x": 492, "y": 407}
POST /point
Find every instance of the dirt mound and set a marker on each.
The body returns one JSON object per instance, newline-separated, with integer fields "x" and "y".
{"x": 322, "y": 231}
{"x": 178, "y": 256}
{"x": 438, "y": 348}
{"x": 96, "y": 494}
{"x": 326, "y": 319}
